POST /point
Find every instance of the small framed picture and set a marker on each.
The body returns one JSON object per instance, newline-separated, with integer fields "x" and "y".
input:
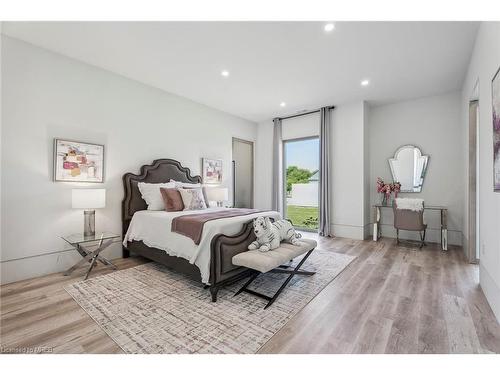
{"x": 78, "y": 161}
{"x": 212, "y": 171}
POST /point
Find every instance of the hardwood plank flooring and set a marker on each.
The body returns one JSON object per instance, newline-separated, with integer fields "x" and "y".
{"x": 391, "y": 299}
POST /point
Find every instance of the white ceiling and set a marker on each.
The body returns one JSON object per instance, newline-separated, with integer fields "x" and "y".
{"x": 269, "y": 62}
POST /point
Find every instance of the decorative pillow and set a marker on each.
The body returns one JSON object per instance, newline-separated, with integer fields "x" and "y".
{"x": 193, "y": 199}
{"x": 187, "y": 185}
{"x": 152, "y": 196}
{"x": 172, "y": 199}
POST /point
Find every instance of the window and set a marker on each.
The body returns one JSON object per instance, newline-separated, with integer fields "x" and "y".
{"x": 301, "y": 166}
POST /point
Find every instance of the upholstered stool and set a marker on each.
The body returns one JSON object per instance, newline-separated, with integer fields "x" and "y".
{"x": 273, "y": 261}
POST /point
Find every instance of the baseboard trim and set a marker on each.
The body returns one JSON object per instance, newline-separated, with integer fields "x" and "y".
{"x": 38, "y": 255}
{"x": 356, "y": 232}
{"x": 433, "y": 235}
{"x": 13, "y": 270}
{"x": 491, "y": 290}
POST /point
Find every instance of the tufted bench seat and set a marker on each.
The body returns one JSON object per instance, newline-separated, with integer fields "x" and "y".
{"x": 273, "y": 261}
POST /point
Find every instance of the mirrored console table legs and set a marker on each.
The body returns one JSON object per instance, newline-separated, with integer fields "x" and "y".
{"x": 377, "y": 233}
{"x": 444, "y": 229}
{"x": 377, "y": 225}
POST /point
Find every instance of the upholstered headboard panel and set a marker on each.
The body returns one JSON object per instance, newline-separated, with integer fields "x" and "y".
{"x": 161, "y": 170}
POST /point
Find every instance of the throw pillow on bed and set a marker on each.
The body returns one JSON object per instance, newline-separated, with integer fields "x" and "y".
{"x": 152, "y": 195}
{"x": 193, "y": 199}
{"x": 187, "y": 185}
{"x": 172, "y": 199}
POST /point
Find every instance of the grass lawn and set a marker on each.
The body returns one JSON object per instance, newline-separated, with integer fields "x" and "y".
{"x": 303, "y": 217}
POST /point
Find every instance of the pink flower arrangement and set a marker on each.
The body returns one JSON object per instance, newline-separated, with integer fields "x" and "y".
{"x": 396, "y": 188}
{"x": 387, "y": 189}
{"x": 380, "y": 185}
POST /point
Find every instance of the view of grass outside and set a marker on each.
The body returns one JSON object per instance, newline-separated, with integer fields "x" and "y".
{"x": 303, "y": 217}
{"x": 302, "y": 162}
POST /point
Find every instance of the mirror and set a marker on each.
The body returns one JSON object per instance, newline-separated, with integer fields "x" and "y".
{"x": 408, "y": 168}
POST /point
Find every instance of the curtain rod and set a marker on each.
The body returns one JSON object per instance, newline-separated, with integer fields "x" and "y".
{"x": 302, "y": 114}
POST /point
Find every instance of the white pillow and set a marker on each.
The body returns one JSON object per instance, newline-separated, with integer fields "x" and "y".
{"x": 179, "y": 184}
{"x": 193, "y": 199}
{"x": 152, "y": 195}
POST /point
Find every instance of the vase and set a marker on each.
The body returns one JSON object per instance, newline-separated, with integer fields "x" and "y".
{"x": 388, "y": 200}
{"x": 383, "y": 201}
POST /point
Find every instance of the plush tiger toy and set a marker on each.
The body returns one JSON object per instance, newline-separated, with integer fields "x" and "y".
{"x": 269, "y": 235}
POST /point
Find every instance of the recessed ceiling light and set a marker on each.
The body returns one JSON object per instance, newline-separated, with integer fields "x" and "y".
{"x": 329, "y": 27}
{"x": 282, "y": 104}
{"x": 224, "y": 73}
{"x": 365, "y": 82}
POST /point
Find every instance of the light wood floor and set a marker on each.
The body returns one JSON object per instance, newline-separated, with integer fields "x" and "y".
{"x": 389, "y": 300}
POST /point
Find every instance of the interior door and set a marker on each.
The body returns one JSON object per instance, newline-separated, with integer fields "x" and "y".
{"x": 473, "y": 245}
{"x": 242, "y": 173}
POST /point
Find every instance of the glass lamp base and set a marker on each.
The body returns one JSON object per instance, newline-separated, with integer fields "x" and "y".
{"x": 89, "y": 223}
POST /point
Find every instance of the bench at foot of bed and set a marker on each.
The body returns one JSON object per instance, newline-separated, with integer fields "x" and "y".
{"x": 273, "y": 261}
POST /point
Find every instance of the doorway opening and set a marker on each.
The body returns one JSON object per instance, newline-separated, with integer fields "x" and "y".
{"x": 301, "y": 182}
{"x": 473, "y": 178}
{"x": 242, "y": 173}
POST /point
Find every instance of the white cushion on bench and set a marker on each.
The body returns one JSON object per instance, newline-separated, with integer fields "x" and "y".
{"x": 266, "y": 261}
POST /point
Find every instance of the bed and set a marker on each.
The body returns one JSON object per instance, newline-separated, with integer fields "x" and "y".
{"x": 148, "y": 233}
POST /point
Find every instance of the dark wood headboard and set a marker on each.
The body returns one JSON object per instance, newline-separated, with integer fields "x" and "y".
{"x": 161, "y": 170}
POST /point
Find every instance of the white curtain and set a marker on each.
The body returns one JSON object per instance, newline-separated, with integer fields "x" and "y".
{"x": 277, "y": 198}
{"x": 324, "y": 173}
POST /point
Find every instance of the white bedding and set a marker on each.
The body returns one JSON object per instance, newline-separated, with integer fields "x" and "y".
{"x": 154, "y": 229}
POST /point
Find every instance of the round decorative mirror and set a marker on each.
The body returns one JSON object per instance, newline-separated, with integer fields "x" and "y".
{"x": 408, "y": 167}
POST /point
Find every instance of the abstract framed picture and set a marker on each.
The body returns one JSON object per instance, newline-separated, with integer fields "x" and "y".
{"x": 212, "y": 171}
{"x": 495, "y": 97}
{"x": 78, "y": 161}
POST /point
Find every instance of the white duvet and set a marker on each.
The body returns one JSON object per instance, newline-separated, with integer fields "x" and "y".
{"x": 154, "y": 229}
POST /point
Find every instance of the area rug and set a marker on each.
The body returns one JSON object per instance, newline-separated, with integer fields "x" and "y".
{"x": 151, "y": 309}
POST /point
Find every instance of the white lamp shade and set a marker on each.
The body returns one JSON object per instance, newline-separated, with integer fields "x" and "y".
{"x": 88, "y": 198}
{"x": 217, "y": 194}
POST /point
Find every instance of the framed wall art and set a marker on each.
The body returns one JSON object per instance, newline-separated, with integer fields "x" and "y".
{"x": 212, "y": 171}
{"x": 78, "y": 161}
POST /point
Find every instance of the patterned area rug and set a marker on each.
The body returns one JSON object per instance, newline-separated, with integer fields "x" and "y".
{"x": 151, "y": 309}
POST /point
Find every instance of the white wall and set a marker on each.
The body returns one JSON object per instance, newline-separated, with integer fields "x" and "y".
{"x": 304, "y": 194}
{"x": 348, "y": 170}
{"x": 1, "y": 125}
{"x": 484, "y": 63}
{"x": 264, "y": 166}
{"x": 300, "y": 127}
{"x": 433, "y": 124}
{"x": 366, "y": 165}
{"x": 46, "y": 95}
{"x": 349, "y": 208}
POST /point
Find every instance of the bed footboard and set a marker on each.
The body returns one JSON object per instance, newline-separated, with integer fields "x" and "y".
{"x": 223, "y": 248}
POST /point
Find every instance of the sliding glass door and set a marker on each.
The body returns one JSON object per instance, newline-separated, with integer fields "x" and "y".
{"x": 301, "y": 182}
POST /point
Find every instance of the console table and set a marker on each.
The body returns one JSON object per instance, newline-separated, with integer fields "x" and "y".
{"x": 377, "y": 230}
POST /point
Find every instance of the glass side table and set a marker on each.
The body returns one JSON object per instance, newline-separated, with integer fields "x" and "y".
{"x": 80, "y": 243}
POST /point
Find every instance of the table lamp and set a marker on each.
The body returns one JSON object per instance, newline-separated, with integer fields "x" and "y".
{"x": 88, "y": 199}
{"x": 217, "y": 194}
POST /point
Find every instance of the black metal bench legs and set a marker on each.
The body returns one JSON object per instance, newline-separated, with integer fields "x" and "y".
{"x": 282, "y": 269}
